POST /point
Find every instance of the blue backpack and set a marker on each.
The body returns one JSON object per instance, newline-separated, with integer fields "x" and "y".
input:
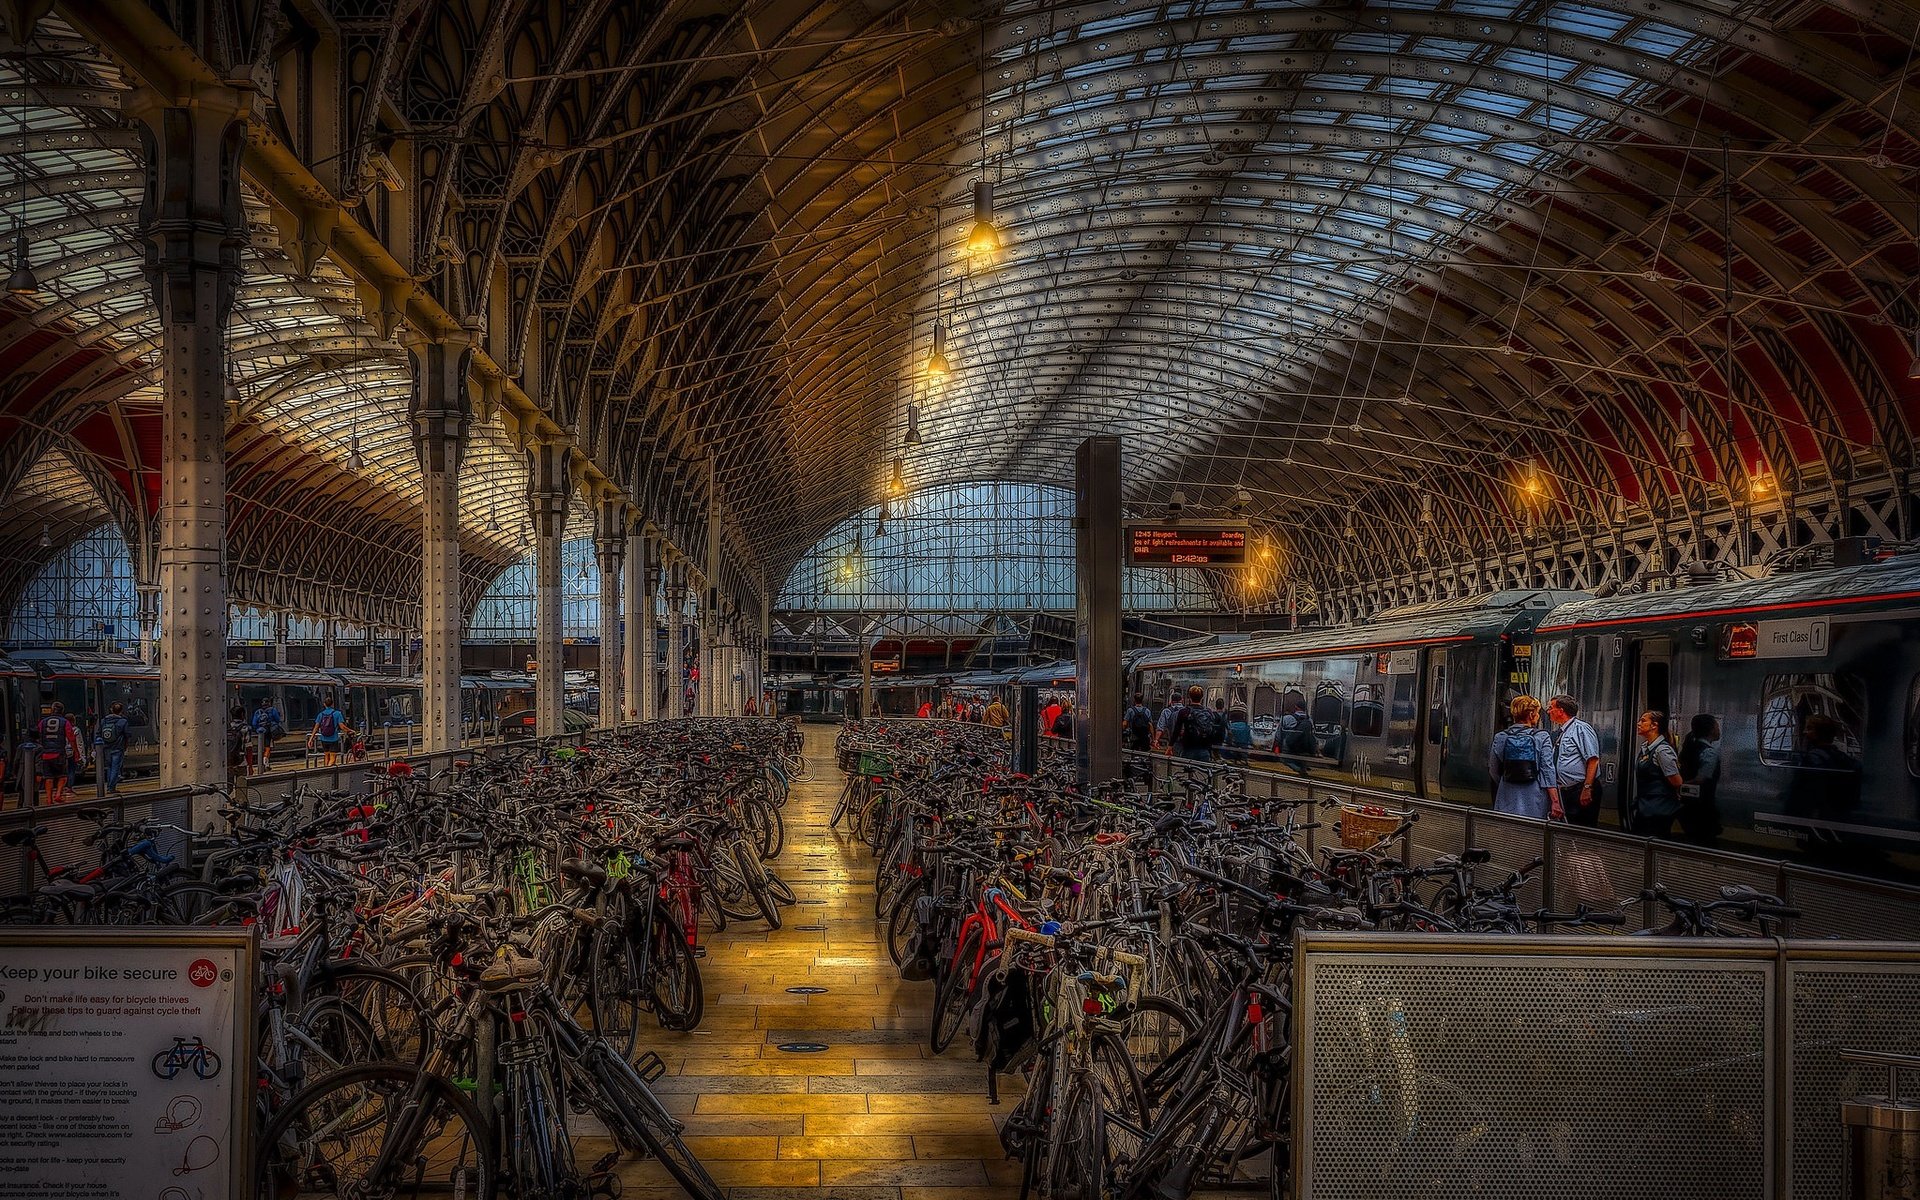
{"x": 1519, "y": 756}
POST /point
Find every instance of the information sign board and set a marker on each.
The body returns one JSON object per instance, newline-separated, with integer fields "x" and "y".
{"x": 126, "y": 1067}
{"x": 1151, "y": 544}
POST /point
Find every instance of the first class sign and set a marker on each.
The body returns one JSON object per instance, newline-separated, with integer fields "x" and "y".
{"x": 1183, "y": 545}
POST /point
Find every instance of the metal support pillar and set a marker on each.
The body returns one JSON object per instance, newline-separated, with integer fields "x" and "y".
{"x": 1097, "y": 595}
{"x": 676, "y": 673}
{"x": 147, "y": 621}
{"x": 547, "y": 489}
{"x": 441, "y": 412}
{"x": 195, "y": 224}
{"x": 329, "y": 644}
{"x": 636, "y": 658}
{"x": 280, "y": 639}
{"x": 610, "y": 553}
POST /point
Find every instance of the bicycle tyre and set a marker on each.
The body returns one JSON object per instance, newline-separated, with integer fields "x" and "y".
{"x": 302, "y": 1149}
{"x": 953, "y": 995}
{"x": 613, "y": 993}
{"x": 903, "y": 919}
{"x": 389, "y": 1003}
{"x": 673, "y": 975}
{"x": 625, "y": 1104}
{"x": 757, "y": 884}
{"x": 164, "y": 1066}
{"x": 1078, "y": 1170}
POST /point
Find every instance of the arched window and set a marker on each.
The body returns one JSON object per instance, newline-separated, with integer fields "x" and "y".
{"x": 83, "y": 596}
{"x": 505, "y": 611}
{"x": 972, "y": 547}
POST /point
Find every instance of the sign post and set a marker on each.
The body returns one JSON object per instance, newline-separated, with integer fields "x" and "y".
{"x": 126, "y": 1063}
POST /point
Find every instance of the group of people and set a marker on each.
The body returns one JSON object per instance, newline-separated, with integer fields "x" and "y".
{"x": 1188, "y": 727}
{"x": 1547, "y": 771}
{"x": 59, "y": 751}
{"x": 959, "y": 708}
{"x": 251, "y": 736}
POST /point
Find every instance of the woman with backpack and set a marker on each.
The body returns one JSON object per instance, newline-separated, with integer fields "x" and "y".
{"x": 111, "y": 738}
{"x": 1521, "y": 760}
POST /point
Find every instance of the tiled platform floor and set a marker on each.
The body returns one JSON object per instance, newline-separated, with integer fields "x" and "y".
{"x": 875, "y": 1116}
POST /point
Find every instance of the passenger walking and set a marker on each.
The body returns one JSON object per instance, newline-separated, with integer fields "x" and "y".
{"x": 239, "y": 733}
{"x": 1049, "y": 715}
{"x": 997, "y": 714}
{"x": 1196, "y": 730}
{"x": 1163, "y": 729}
{"x": 266, "y": 725}
{"x": 1293, "y": 740}
{"x": 1063, "y": 723}
{"x": 1700, "y": 775}
{"x": 1576, "y": 760}
{"x": 1656, "y": 778}
{"x": 1137, "y": 727}
{"x": 59, "y": 753}
{"x": 329, "y": 727}
{"x": 1521, "y": 760}
{"x": 111, "y": 738}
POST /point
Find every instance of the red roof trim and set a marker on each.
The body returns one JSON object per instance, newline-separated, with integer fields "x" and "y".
{"x": 1735, "y": 611}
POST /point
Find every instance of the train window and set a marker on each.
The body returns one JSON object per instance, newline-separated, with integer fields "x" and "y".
{"x": 1913, "y": 727}
{"x": 1814, "y": 721}
{"x": 1369, "y": 717}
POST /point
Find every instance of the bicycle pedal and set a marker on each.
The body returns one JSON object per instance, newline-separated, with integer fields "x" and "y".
{"x": 605, "y": 1164}
{"x": 650, "y": 1067}
{"x": 604, "y": 1185}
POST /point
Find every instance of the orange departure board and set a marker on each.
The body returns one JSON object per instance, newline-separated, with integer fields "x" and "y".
{"x": 1164, "y": 545}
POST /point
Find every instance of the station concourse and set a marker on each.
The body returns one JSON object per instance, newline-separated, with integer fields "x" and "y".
{"x": 1258, "y": 491}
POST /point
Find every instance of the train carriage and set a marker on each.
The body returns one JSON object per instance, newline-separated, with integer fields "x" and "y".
{"x": 88, "y": 683}
{"x": 1813, "y": 679}
{"x": 1408, "y": 703}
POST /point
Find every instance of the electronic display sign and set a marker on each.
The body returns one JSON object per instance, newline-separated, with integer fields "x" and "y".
{"x": 1186, "y": 545}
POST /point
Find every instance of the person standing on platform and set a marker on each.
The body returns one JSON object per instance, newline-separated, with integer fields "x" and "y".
{"x": 59, "y": 753}
{"x": 1049, "y": 715}
{"x": 111, "y": 738}
{"x": 1576, "y": 760}
{"x": 1521, "y": 760}
{"x": 997, "y": 714}
{"x": 239, "y": 733}
{"x": 1656, "y": 779}
{"x": 1163, "y": 730}
{"x": 1196, "y": 731}
{"x": 267, "y": 726}
{"x": 329, "y": 728}
{"x": 1062, "y": 726}
{"x": 1700, "y": 769}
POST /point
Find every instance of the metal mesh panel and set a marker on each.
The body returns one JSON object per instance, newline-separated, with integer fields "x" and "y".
{"x": 1586, "y": 1077}
{"x": 1834, "y": 1005}
{"x": 1514, "y": 842}
{"x": 1598, "y": 872}
{"x": 1700, "y": 876}
{"x": 1438, "y": 831}
{"x": 1838, "y": 909}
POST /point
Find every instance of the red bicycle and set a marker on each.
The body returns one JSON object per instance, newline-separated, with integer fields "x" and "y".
{"x": 975, "y": 945}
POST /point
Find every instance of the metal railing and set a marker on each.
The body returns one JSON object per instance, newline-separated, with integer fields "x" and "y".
{"x": 1601, "y": 868}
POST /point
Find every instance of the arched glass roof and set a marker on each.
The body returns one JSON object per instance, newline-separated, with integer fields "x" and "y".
{"x": 968, "y": 548}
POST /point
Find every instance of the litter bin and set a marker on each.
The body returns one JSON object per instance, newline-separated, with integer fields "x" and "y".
{"x": 1883, "y": 1134}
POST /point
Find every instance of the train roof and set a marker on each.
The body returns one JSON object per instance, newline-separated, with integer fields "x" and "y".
{"x": 1422, "y": 625}
{"x": 275, "y": 673}
{"x": 52, "y": 661}
{"x": 1894, "y": 580}
{"x": 9, "y": 667}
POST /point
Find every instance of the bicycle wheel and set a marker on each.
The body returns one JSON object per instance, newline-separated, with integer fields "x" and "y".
{"x": 904, "y": 920}
{"x": 1157, "y": 1030}
{"x": 1077, "y": 1168}
{"x": 673, "y": 975}
{"x": 614, "y": 994}
{"x": 756, "y": 878}
{"x": 728, "y": 887}
{"x": 165, "y": 1065}
{"x": 769, "y": 831}
{"x": 781, "y": 891}
{"x": 629, "y": 1109}
{"x": 398, "y": 1021}
{"x": 375, "y": 1129}
{"x": 954, "y": 994}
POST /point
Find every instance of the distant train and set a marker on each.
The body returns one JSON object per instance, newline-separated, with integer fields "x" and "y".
{"x": 384, "y": 710}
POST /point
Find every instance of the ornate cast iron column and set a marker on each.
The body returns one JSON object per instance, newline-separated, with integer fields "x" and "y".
{"x": 442, "y": 415}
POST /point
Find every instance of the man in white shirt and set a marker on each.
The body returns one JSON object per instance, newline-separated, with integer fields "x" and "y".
{"x": 1576, "y": 760}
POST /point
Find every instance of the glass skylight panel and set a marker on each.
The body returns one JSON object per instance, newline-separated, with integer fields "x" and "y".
{"x": 1654, "y": 38}
{"x": 1607, "y": 82}
{"x": 1598, "y": 23}
{"x": 1482, "y": 100}
{"x": 1336, "y": 82}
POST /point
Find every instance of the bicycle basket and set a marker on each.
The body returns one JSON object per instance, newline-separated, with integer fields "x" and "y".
{"x": 875, "y": 764}
{"x": 1362, "y": 826}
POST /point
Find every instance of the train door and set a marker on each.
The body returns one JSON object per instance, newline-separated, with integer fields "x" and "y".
{"x": 1433, "y": 742}
{"x": 1652, "y": 690}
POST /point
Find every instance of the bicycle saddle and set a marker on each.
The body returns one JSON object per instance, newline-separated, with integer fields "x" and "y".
{"x": 585, "y": 872}
{"x": 1747, "y": 893}
{"x": 679, "y": 842}
{"x": 20, "y": 837}
{"x": 510, "y": 969}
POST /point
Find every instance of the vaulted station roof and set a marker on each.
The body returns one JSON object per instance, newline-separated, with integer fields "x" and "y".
{"x": 1427, "y": 281}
